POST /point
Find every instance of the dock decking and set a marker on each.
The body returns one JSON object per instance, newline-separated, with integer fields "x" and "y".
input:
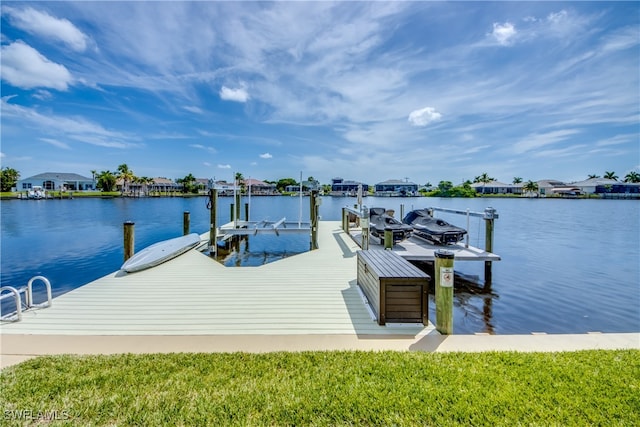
{"x": 310, "y": 293}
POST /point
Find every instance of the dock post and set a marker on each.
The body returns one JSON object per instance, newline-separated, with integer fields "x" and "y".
{"x": 186, "y": 222}
{"x": 129, "y": 238}
{"x": 237, "y": 217}
{"x": 364, "y": 222}
{"x": 401, "y": 211}
{"x": 231, "y": 212}
{"x": 443, "y": 270}
{"x": 489, "y": 217}
{"x": 314, "y": 203}
{"x": 388, "y": 239}
{"x": 213, "y": 215}
{"x": 246, "y": 211}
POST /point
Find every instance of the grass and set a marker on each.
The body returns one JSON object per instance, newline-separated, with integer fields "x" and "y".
{"x": 327, "y": 388}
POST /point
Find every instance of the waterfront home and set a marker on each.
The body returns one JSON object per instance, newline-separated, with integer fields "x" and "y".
{"x": 58, "y": 181}
{"x": 260, "y": 188}
{"x": 396, "y": 187}
{"x": 496, "y": 187}
{"x": 341, "y": 187}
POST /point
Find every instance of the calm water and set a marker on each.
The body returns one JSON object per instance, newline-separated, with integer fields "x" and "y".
{"x": 568, "y": 266}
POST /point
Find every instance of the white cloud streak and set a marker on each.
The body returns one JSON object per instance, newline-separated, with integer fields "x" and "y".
{"x": 237, "y": 95}
{"x": 47, "y": 26}
{"x": 424, "y": 116}
{"x": 26, "y": 68}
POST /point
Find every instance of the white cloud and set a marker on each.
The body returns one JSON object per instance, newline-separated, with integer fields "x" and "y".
{"x": 76, "y": 128}
{"x": 266, "y": 156}
{"x": 56, "y": 143}
{"x": 424, "y": 116}
{"x": 193, "y": 109}
{"x": 47, "y": 26}
{"x": 224, "y": 166}
{"x": 503, "y": 33}
{"x": 237, "y": 95}
{"x": 535, "y": 141}
{"x": 204, "y": 147}
{"x": 26, "y": 68}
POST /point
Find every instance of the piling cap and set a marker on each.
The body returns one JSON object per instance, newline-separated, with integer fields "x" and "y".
{"x": 444, "y": 254}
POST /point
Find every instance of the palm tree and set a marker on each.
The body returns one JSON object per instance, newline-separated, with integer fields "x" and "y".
{"x": 240, "y": 181}
{"x": 611, "y": 175}
{"x": 632, "y": 177}
{"x": 517, "y": 180}
{"x": 593, "y": 176}
{"x": 530, "y": 187}
{"x": 126, "y": 175}
{"x": 187, "y": 183}
{"x": 484, "y": 179}
{"x": 93, "y": 176}
{"x": 106, "y": 181}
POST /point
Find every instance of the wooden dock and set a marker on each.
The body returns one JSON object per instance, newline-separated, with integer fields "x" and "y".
{"x": 311, "y": 293}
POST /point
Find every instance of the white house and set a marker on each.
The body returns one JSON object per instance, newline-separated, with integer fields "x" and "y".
{"x": 57, "y": 181}
{"x": 496, "y": 187}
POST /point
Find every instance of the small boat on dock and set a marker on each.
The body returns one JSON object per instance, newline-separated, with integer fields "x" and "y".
{"x": 380, "y": 220}
{"x": 433, "y": 229}
{"x": 160, "y": 252}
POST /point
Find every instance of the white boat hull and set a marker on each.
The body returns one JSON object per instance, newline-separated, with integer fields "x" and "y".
{"x": 160, "y": 252}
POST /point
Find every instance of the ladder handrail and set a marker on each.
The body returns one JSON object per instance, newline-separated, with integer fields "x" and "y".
{"x": 16, "y": 295}
{"x": 47, "y": 285}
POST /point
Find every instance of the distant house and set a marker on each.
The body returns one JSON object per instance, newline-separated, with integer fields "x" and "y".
{"x": 340, "y": 187}
{"x": 496, "y": 187}
{"x": 306, "y": 186}
{"x": 590, "y": 185}
{"x": 57, "y": 181}
{"x": 163, "y": 185}
{"x": 547, "y": 186}
{"x": 259, "y": 188}
{"x": 395, "y": 187}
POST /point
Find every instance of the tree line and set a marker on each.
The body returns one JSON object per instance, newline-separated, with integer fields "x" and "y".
{"x": 106, "y": 181}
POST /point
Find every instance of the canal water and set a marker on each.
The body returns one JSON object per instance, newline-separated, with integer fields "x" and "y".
{"x": 568, "y": 266}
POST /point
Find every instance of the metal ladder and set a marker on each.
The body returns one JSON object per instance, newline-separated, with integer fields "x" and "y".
{"x": 16, "y": 315}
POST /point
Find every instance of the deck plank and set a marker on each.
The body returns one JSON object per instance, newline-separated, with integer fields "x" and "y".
{"x": 310, "y": 293}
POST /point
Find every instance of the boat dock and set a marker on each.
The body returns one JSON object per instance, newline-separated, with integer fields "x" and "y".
{"x": 310, "y": 301}
{"x": 310, "y": 293}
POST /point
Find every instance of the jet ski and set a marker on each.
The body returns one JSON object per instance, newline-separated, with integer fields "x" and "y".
{"x": 435, "y": 230}
{"x": 379, "y": 221}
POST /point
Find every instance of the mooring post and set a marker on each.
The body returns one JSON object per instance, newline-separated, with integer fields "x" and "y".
{"x": 489, "y": 216}
{"x": 129, "y": 238}
{"x": 246, "y": 211}
{"x": 213, "y": 215}
{"x": 388, "y": 239}
{"x": 186, "y": 222}
{"x": 443, "y": 270}
{"x": 364, "y": 222}
{"x": 237, "y": 217}
{"x": 314, "y": 203}
{"x": 231, "y": 213}
{"x": 401, "y": 211}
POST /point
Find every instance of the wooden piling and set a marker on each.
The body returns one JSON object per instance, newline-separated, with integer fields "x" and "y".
{"x": 213, "y": 222}
{"x": 388, "y": 239}
{"x": 443, "y": 272}
{"x": 489, "y": 217}
{"x": 129, "y": 239}
{"x": 364, "y": 222}
{"x": 314, "y": 204}
{"x": 186, "y": 222}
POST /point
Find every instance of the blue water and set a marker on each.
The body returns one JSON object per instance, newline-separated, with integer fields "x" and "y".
{"x": 568, "y": 266}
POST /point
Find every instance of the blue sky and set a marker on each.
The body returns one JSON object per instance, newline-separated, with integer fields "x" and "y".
{"x": 427, "y": 91}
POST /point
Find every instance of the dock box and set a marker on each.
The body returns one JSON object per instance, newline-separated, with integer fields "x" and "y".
{"x": 397, "y": 290}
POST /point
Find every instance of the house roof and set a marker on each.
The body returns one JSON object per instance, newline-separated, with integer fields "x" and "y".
{"x": 494, "y": 184}
{"x": 59, "y": 176}
{"x": 396, "y": 182}
{"x": 595, "y": 181}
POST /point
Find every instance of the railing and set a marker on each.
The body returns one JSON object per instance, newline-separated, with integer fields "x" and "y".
{"x": 16, "y": 315}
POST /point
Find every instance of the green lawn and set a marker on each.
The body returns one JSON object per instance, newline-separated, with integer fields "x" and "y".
{"x": 328, "y": 388}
